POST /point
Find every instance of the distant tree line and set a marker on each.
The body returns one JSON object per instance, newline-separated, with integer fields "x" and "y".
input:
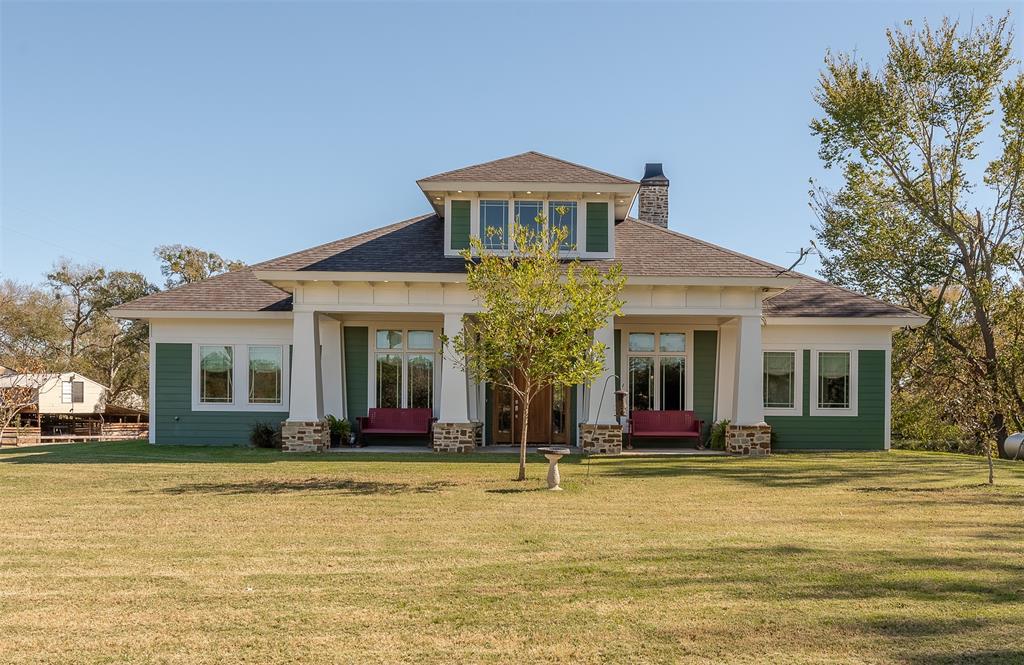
{"x": 62, "y": 324}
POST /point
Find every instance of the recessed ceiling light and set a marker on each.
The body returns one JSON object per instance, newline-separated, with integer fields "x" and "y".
{"x": 599, "y": 193}
{"x": 460, "y": 191}
{"x": 437, "y": 198}
{"x": 529, "y": 192}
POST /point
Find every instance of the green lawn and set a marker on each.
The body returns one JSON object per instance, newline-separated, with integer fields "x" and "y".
{"x": 129, "y": 552}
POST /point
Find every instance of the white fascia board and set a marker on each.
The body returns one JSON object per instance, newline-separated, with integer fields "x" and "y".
{"x": 295, "y": 276}
{"x": 896, "y": 322}
{"x": 490, "y": 186}
{"x": 765, "y": 282}
{"x": 325, "y": 276}
{"x": 190, "y": 314}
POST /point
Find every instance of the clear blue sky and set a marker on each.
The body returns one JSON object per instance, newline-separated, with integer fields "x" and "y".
{"x": 256, "y": 129}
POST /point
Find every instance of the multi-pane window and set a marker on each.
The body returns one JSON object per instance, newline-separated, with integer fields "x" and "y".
{"x": 265, "y": 374}
{"x": 527, "y": 213}
{"x": 562, "y": 215}
{"x": 833, "y": 379}
{"x": 494, "y": 224}
{"x": 779, "y": 379}
{"x": 657, "y": 370}
{"x": 72, "y": 392}
{"x": 215, "y": 374}
{"x": 405, "y": 362}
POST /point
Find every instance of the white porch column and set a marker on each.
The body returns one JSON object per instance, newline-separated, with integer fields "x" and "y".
{"x": 454, "y": 391}
{"x": 330, "y": 367}
{"x": 307, "y": 403}
{"x": 748, "y": 404}
{"x": 601, "y": 410}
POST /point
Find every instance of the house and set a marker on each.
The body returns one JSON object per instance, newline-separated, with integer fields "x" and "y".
{"x": 355, "y": 323}
{"x": 67, "y": 405}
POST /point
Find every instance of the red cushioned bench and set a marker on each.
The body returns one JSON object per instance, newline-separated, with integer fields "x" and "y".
{"x": 663, "y": 425}
{"x": 396, "y": 422}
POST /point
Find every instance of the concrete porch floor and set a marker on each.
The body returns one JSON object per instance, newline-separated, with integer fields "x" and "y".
{"x": 532, "y": 450}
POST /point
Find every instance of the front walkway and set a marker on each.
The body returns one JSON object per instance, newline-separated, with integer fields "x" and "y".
{"x": 532, "y": 450}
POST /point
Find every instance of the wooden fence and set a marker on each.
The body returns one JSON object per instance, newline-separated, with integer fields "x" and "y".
{"x": 23, "y": 436}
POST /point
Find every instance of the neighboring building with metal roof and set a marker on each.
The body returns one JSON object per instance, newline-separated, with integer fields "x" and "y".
{"x": 354, "y": 324}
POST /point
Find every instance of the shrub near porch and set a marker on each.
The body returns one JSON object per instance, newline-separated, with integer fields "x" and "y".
{"x": 182, "y": 554}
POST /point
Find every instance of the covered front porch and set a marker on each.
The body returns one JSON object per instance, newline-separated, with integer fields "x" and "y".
{"x": 348, "y": 362}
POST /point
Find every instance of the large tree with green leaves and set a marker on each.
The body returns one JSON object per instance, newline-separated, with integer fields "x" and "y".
{"x": 537, "y": 317}
{"x": 920, "y": 221}
{"x": 183, "y": 264}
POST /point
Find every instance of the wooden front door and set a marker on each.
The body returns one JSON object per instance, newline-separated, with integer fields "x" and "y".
{"x": 549, "y": 417}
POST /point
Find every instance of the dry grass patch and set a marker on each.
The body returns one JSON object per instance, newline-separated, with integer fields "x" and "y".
{"x": 128, "y": 552}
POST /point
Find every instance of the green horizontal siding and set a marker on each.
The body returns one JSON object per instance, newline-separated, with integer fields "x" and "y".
{"x": 175, "y": 422}
{"x": 865, "y": 431}
{"x": 705, "y": 355}
{"x": 597, "y": 227}
{"x": 460, "y": 224}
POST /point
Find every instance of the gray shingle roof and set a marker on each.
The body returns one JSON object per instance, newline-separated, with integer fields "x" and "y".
{"x": 529, "y": 167}
{"x": 416, "y": 245}
{"x": 815, "y": 298}
{"x": 237, "y": 291}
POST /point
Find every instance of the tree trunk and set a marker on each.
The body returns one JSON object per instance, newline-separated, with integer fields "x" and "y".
{"x": 522, "y": 442}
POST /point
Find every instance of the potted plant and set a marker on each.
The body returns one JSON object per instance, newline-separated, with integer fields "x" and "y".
{"x": 340, "y": 430}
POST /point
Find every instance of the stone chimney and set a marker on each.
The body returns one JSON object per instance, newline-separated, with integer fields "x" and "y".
{"x": 654, "y": 196}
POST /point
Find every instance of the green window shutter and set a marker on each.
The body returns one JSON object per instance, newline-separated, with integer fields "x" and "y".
{"x": 705, "y": 356}
{"x": 357, "y": 367}
{"x": 460, "y": 224}
{"x": 597, "y": 227}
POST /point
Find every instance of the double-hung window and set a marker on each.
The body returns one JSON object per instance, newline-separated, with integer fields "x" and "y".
{"x": 494, "y": 228}
{"x": 656, "y": 363}
{"x": 781, "y": 382}
{"x": 404, "y": 364}
{"x": 216, "y": 374}
{"x": 834, "y": 379}
{"x": 265, "y": 374}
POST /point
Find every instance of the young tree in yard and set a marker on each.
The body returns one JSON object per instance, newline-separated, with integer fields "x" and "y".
{"x": 181, "y": 264}
{"x": 920, "y": 222}
{"x": 538, "y": 313}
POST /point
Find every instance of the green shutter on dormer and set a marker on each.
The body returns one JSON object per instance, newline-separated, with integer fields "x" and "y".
{"x": 597, "y": 227}
{"x": 460, "y": 224}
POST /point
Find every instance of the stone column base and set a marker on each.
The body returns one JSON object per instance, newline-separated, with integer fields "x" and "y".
{"x": 748, "y": 439}
{"x": 305, "y": 436}
{"x": 457, "y": 437}
{"x": 605, "y": 439}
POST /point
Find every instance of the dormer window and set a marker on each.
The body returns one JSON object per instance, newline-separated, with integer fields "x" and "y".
{"x": 563, "y": 216}
{"x": 527, "y": 213}
{"x": 494, "y": 229}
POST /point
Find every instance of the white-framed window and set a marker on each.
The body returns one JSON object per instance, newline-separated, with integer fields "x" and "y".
{"x": 72, "y": 392}
{"x": 404, "y": 364}
{"x": 239, "y": 377}
{"x": 656, "y": 370}
{"x": 216, "y": 374}
{"x": 266, "y": 374}
{"x": 494, "y": 226}
{"x": 563, "y": 215}
{"x": 833, "y": 382}
{"x": 782, "y": 382}
{"x": 526, "y": 214}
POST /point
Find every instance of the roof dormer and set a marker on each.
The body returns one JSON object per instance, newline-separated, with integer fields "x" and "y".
{"x": 494, "y": 194}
